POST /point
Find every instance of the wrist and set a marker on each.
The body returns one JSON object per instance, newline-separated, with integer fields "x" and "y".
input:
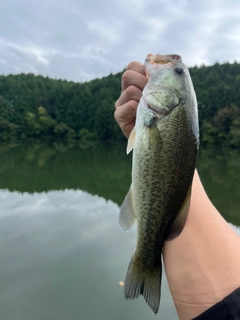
{"x": 202, "y": 262}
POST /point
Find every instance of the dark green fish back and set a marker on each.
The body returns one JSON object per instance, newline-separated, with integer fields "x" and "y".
{"x": 164, "y": 161}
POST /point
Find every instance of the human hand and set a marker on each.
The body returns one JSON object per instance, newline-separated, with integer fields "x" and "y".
{"x": 133, "y": 82}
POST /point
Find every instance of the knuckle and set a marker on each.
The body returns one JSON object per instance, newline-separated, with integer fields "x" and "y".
{"x": 131, "y": 65}
{"x": 116, "y": 104}
{"x": 115, "y": 115}
{"x": 131, "y": 91}
{"x": 132, "y": 105}
{"x": 126, "y": 76}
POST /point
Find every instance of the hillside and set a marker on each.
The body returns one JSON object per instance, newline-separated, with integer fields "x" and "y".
{"x": 36, "y": 106}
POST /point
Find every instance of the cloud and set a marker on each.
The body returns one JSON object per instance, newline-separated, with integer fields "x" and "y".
{"x": 64, "y": 250}
{"x": 80, "y": 40}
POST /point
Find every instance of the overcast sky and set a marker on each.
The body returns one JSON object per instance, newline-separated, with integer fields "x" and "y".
{"x": 83, "y": 39}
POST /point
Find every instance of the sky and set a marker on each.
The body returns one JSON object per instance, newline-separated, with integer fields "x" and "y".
{"x": 79, "y": 40}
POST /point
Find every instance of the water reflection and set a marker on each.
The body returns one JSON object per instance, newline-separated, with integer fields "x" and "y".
{"x": 105, "y": 170}
{"x": 62, "y": 251}
{"x": 62, "y": 257}
{"x": 219, "y": 171}
{"x": 101, "y": 169}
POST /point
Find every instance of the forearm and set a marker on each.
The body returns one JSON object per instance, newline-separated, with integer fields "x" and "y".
{"x": 202, "y": 264}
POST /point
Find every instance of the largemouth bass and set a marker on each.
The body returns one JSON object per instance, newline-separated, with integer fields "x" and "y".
{"x": 165, "y": 144}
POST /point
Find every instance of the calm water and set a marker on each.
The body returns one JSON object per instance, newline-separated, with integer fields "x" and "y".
{"x": 62, "y": 252}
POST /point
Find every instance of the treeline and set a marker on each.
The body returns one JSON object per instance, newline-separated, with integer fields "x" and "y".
{"x": 218, "y": 93}
{"x": 36, "y": 106}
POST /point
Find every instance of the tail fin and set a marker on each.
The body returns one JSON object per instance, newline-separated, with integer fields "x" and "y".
{"x": 143, "y": 282}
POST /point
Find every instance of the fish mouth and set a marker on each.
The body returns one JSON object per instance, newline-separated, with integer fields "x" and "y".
{"x": 163, "y": 59}
{"x": 159, "y": 61}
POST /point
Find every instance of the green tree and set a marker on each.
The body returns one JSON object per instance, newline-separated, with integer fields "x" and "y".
{"x": 234, "y": 132}
{"x": 45, "y": 121}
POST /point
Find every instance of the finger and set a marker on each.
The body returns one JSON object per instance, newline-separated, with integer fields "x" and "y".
{"x": 136, "y": 66}
{"x": 125, "y": 116}
{"x": 126, "y": 112}
{"x": 131, "y": 93}
{"x": 134, "y": 78}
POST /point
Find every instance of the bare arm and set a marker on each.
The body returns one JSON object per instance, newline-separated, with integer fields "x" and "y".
{"x": 203, "y": 263}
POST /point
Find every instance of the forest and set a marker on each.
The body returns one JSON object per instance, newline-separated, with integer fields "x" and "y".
{"x": 39, "y": 107}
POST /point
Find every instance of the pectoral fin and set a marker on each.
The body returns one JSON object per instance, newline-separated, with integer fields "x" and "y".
{"x": 181, "y": 218}
{"x": 131, "y": 140}
{"x": 127, "y": 216}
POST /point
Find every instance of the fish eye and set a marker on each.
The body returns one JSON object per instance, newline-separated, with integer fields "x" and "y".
{"x": 179, "y": 70}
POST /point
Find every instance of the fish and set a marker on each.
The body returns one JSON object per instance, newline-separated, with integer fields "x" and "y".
{"x": 165, "y": 144}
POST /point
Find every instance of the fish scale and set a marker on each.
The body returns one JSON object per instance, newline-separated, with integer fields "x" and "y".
{"x": 165, "y": 147}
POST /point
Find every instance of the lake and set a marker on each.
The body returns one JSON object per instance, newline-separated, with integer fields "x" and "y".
{"x": 62, "y": 251}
